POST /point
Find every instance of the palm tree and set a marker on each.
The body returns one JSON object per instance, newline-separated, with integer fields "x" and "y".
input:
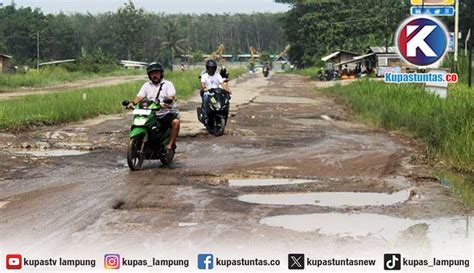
{"x": 171, "y": 40}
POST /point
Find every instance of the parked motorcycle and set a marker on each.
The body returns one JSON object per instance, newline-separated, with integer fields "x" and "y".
{"x": 147, "y": 140}
{"x": 217, "y": 113}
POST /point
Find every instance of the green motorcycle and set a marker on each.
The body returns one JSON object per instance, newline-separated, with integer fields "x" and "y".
{"x": 147, "y": 140}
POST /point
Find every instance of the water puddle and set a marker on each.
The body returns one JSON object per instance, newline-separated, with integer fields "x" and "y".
{"x": 3, "y": 204}
{"x": 266, "y": 182}
{"x": 462, "y": 186}
{"x": 329, "y": 199}
{"x": 439, "y": 232}
{"x": 50, "y": 153}
{"x": 187, "y": 224}
{"x": 343, "y": 225}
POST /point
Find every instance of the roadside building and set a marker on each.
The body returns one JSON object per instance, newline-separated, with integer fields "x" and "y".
{"x": 4, "y": 63}
{"x": 133, "y": 64}
{"x": 337, "y": 57}
{"x": 378, "y": 60}
{"x": 280, "y": 63}
{"x": 363, "y": 64}
{"x": 386, "y": 60}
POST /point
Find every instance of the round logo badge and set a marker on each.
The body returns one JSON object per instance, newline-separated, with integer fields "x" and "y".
{"x": 422, "y": 41}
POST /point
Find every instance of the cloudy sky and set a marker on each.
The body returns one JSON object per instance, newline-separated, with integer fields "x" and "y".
{"x": 168, "y": 6}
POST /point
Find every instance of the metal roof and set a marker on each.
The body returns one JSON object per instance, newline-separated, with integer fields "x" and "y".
{"x": 58, "y": 62}
{"x": 381, "y": 49}
{"x": 356, "y": 59}
{"x": 330, "y": 56}
{"x": 334, "y": 54}
{"x": 127, "y": 62}
{"x": 6, "y": 56}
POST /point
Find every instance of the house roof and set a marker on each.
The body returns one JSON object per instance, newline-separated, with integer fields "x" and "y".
{"x": 58, "y": 62}
{"x": 357, "y": 59}
{"x": 6, "y": 56}
{"x": 334, "y": 54}
{"x": 128, "y": 62}
{"x": 381, "y": 49}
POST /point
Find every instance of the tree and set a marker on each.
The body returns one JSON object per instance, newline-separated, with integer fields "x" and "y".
{"x": 318, "y": 27}
{"x": 19, "y": 28}
{"x": 129, "y": 28}
{"x": 131, "y": 33}
{"x": 59, "y": 41}
{"x": 171, "y": 41}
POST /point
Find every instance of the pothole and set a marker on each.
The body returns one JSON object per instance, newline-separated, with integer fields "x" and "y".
{"x": 439, "y": 231}
{"x": 259, "y": 182}
{"x": 342, "y": 225}
{"x": 329, "y": 199}
{"x": 50, "y": 153}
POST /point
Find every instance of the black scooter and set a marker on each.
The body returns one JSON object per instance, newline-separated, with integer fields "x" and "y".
{"x": 217, "y": 112}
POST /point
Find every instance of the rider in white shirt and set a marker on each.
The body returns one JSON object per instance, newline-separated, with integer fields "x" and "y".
{"x": 209, "y": 81}
{"x": 160, "y": 90}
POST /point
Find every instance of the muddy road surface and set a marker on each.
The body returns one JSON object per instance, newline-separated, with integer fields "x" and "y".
{"x": 294, "y": 173}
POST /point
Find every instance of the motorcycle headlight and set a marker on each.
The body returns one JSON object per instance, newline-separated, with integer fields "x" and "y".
{"x": 139, "y": 121}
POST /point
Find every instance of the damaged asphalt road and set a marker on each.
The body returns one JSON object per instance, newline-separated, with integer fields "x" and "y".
{"x": 294, "y": 172}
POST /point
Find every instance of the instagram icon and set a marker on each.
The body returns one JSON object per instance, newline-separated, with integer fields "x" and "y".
{"x": 112, "y": 261}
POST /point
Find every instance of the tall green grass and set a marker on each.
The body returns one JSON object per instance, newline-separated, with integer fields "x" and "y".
{"x": 446, "y": 125}
{"x": 462, "y": 66}
{"x": 311, "y": 72}
{"x": 461, "y": 185}
{"x": 48, "y": 109}
{"x": 52, "y": 76}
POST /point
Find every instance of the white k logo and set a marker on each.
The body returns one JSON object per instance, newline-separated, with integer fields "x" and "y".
{"x": 418, "y": 41}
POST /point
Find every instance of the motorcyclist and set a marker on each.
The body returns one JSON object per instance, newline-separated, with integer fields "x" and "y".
{"x": 210, "y": 80}
{"x": 161, "y": 91}
{"x": 266, "y": 67}
{"x": 223, "y": 72}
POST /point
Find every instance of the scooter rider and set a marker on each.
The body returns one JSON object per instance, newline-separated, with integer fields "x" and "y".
{"x": 210, "y": 80}
{"x": 160, "y": 90}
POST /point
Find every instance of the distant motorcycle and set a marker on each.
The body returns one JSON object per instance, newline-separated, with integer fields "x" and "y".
{"x": 266, "y": 71}
{"x": 218, "y": 112}
{"x": 147, "y": 140}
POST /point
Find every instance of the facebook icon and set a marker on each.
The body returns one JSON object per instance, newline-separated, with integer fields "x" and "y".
{"x": 206, "y": 261}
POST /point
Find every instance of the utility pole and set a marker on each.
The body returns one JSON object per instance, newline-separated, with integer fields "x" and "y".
{"x": 456, "y": 35}
{"x": 37, "y": 50}
{"x": 470, "y": 45}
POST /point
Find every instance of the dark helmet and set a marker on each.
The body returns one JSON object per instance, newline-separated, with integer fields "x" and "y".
{"x": 155, "y": 67}
{"x": 211, "y": 64}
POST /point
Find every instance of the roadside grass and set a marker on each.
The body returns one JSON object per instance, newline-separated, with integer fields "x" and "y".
{"x": 446, "y": 126}
{"x": 52, "y": 76}
{"x": 62, "y": 107}
{"x": 311, "y": 72}
{"x": 462, "y": 185}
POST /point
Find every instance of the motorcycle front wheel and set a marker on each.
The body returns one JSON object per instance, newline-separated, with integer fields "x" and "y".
{"x": 219, "y": 127}
{"x": 135, "y": 157}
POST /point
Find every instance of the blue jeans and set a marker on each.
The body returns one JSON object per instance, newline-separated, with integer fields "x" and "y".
{"x": 206, "y": 98}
